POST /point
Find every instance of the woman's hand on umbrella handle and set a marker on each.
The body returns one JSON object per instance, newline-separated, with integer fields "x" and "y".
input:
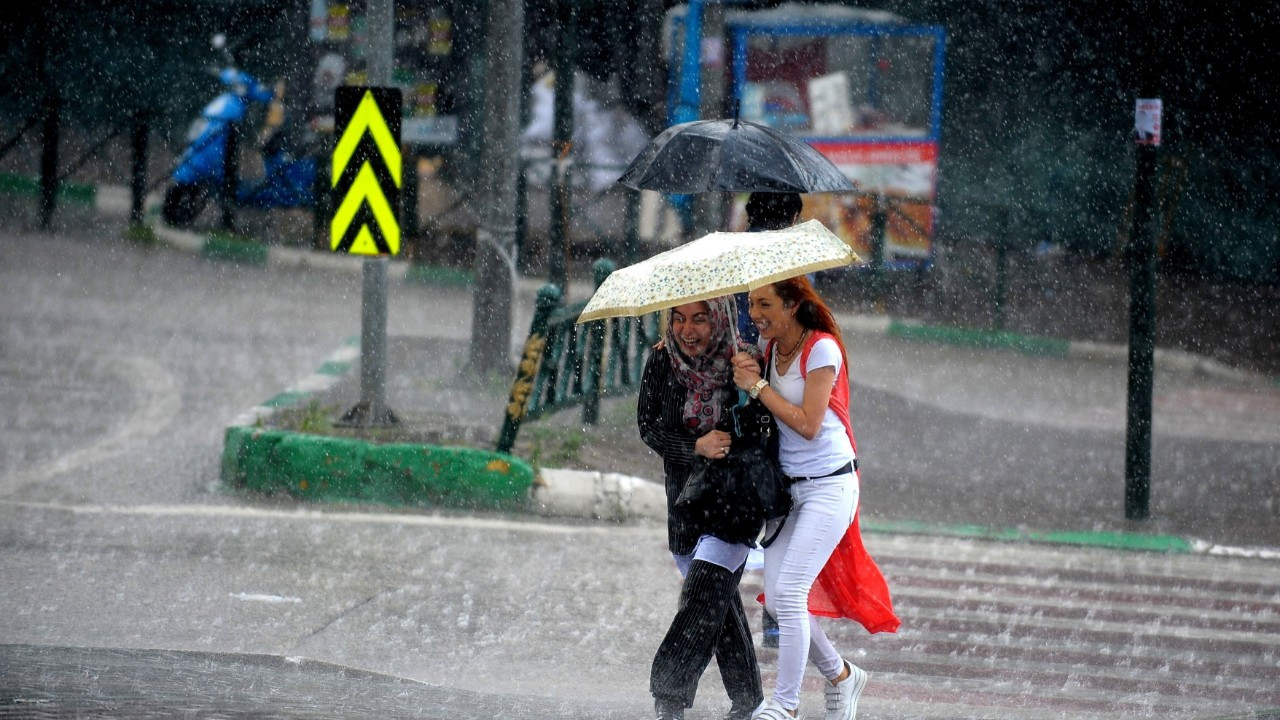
{"x": 713, "y": 445}
{"x": 746, "y": 370}
{"x": 747, "y": 375}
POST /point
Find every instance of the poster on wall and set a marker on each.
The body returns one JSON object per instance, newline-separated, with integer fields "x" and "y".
{"x": 905, "y": 174}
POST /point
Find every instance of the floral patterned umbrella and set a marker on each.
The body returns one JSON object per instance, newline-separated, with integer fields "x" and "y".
{"x": 717, "y": 264}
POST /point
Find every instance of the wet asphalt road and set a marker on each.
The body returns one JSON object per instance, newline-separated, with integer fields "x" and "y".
{"x": 120, "y": 366}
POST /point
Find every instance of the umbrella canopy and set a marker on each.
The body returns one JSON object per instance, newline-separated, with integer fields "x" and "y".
{"x": 717, "y": 264}
{"x": 733, "y": 156}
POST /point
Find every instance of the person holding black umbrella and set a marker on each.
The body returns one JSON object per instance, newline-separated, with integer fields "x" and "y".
{"x": 765, "y": 211}
{"x": 686, "y": 387}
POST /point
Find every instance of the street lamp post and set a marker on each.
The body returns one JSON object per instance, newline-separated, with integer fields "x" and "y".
{"x": 1141, "y": 257}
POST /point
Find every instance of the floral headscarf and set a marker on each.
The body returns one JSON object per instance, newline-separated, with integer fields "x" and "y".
{"x": 706, "y": 375}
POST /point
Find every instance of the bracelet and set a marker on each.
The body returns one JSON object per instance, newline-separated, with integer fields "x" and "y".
{"x": 761, "y": 384}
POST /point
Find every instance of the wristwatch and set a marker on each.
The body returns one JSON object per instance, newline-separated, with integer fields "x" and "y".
{"x": 754, "y": 392}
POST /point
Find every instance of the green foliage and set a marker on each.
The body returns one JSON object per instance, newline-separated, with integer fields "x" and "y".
{"x": 141, "y": 234}
{"x": 316, "y": 419}
{"x": 553, "y": 446}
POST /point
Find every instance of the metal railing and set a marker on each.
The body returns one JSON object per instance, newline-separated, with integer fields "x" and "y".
{"x": 564, "y": 364}
{"x": 47, "y": 121}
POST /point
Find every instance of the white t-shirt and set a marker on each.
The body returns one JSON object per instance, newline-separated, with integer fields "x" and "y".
{"x": 830, "y": 449}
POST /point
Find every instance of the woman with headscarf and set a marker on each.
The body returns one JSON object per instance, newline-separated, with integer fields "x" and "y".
{"x": 686, "y": 387}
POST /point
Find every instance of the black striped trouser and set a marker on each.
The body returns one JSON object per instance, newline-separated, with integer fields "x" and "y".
{"x": 710, "y": 621}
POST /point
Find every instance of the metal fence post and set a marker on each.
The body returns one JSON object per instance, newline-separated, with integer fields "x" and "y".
{"x": 320, "y": 208}
{"x": 409, "y": 198}
{"x": 631, "y": 238}
{"x": 1002, "y": 260}
{"x": 530, "y": 359}
{"x": 230, "y": 173}
{"x": 879, "y": 225}
{"x": 49, "y": 159}
{"x": 601, "y": 269}
{"x": 138, "y": 175}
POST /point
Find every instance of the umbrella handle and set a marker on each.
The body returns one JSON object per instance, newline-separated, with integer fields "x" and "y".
{"x": 743, "y": 399}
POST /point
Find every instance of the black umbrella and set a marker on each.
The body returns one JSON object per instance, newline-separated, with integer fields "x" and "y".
{"x": 733, "y": 156}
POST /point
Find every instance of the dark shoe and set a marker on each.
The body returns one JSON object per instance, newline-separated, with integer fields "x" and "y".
{"x": 668, "y": 711}
{"x": 770, "y": 639}
{"x": 739, "y": 712}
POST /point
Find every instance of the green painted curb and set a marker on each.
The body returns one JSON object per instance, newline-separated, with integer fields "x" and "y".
{"x": 321, "y": 468}
{"x": 1109, "y": 540}
{"x": 24, "y": 185}
{"x": 246, "y": 252}
{"x": 434, "y": 275}
{"x": 987, "y": 339}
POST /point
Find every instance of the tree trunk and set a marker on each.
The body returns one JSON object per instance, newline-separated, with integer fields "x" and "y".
{"x": 495, "y": 232}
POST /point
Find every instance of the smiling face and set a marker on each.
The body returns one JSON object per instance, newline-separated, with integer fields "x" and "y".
{"x": 691, "y": 327}
{"x": 769, "y": 314}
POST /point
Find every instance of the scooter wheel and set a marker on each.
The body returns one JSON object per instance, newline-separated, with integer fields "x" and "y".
{"x": 183, "y": 204}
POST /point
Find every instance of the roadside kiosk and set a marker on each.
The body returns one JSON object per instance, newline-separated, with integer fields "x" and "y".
{"x": 863, "y": 87}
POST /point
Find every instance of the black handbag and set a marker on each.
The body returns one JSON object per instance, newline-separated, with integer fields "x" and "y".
{"x": 735, "y": 496}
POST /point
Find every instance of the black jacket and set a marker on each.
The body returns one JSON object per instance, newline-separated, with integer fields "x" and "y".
{"x": 659, "y": 412}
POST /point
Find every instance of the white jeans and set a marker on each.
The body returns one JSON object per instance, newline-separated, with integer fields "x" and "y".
{"x": 821, "y": 514}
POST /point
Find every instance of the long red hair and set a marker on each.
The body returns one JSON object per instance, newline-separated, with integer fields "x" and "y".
{"x": 811, "y": 311}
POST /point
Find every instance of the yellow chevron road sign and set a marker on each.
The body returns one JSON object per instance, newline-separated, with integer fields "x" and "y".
{"x": 365, "y": 179}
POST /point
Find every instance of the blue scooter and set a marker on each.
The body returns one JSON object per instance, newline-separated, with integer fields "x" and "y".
{"x": 288, "y": 179}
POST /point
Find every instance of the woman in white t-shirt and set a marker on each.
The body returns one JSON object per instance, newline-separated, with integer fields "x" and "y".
{"x": 817, "y": 565}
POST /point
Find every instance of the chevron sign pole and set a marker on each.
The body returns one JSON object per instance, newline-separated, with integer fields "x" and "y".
{"x": 365, "y": 185}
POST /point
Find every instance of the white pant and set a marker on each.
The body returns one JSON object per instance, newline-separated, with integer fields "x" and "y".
{"x": 821, "y": 514}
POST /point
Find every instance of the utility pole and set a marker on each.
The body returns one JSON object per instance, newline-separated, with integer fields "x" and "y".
{"x": 562, "y": 145}
{"x": 1141, "y": 257}
{"x": 495, "y": 255}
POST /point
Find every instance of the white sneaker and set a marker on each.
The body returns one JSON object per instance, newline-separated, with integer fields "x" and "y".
{"x": 842, "y": 698}
{"x": 772, "y": 711}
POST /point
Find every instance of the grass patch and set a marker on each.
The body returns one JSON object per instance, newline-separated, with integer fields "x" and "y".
{"x": 140, "y": 234}
{"x": 316, "y": 419}
{"x": 436, "y": 275}
{"x": 312, "y": 418}
{"x": 553, "y": 446}
{"x": 232, "y": 247}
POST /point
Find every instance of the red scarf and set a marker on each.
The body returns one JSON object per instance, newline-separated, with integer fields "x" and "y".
{"x": 850, "y": 584}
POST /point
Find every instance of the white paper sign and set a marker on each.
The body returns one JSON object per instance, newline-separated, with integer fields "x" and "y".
{"x": 832, "y": 113}
{"x": 1146, "y": 122}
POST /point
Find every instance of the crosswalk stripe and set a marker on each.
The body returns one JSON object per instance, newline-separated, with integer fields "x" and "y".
{"x": 1001, "y": 630}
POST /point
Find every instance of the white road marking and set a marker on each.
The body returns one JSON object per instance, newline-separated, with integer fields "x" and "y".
{"x": 255, "y": 597}
{"x": 223, "y": 511}
{"x": 158, "y": 404}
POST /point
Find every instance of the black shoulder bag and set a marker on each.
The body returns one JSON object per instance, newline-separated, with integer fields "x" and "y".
{"x": 736, "y": 495}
